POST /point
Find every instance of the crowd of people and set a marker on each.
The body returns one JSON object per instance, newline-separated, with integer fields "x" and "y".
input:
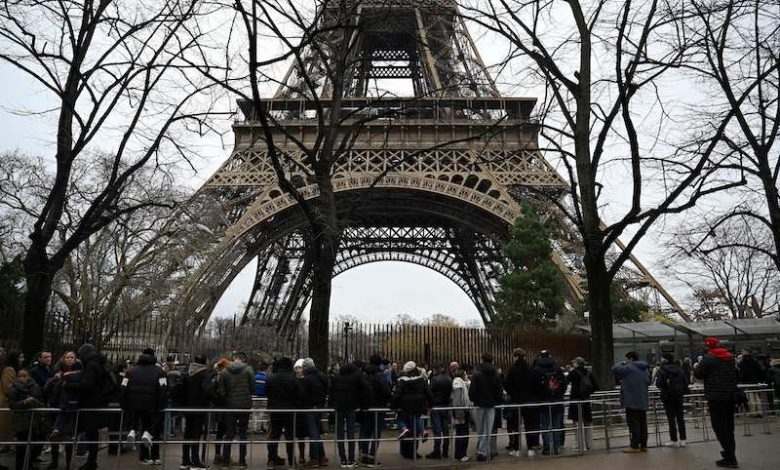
{"x": 455, "y": 397}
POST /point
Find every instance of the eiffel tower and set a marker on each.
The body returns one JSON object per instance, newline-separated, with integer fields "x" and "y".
{"x": 438, "y": 185}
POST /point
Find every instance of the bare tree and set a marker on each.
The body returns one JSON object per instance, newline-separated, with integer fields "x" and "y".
{"x": 735, "y": 54}
{"x": 732, "y": 281}
{"x": 114, "y": 73}
{"x": 600, "y": 65}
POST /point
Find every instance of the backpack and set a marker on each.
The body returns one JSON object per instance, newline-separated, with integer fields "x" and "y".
{"x": 551, "y": 382}
{"x": 675, "y": 384}
{"x": 586, "y": 384}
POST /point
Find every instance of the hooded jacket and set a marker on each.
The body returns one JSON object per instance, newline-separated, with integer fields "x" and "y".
{"x": 719, "y": 374}
{"x": 635, "y": 379}
{"x": 144, "y": 387}
{"x": 380, "y": 386}
{"x": 238, "y": 379}
{"x": 349, "y": 390}
{"x": 90, "y": 387}
{"x": 315, "y": 387}
{"x": 283, "y": 389}
{"x": 750, "y": 370}
{"x": 197, "y": 385}
{"x": 19, "y": 392}
{"x": 575, "y": 378}
{"x": 522, "y": 383}
{"x": 412, "y": 394}
{"x": 459, "y": 398}
{"x": 485, "y": 389}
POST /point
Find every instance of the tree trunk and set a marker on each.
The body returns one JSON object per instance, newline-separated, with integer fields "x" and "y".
{"x": 38, "y": 276}
{"x": 772, "y": 202}
{"x": 324, "y": 246}
{"x": 600, "y": 310}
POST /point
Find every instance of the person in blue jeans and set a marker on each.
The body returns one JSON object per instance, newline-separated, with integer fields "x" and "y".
{"x": 441, "y": 388}
{"x": 315, "y": 388}
{"x": 551, "y": 390}
{"x": 348, "y": 390}
{"x": 371, "y": 422}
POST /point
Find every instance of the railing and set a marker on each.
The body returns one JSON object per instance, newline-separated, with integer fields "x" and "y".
{"x": 607, "y": 427}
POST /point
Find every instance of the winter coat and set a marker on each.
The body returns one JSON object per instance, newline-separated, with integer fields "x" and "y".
{"x": 544, "y": 368}
{"x": 260, "y": 378}
{"x": 459, "y": 398}
{"x": 485, "y": 389}
{"x": 349, "y": 390}
{"x": 750, "y": 371}
{"x": 380, "y": 385}
{"x": 239, "y": 379}
{"x": 284, "y": 390}
{"x": 441, "y": 388}
{"x": 670, "y": 372}
{"x": 144, "y": 387}
{"x": 91, "y": 387}
{"x": 41, "y": 374}
{"x": 315, "y": 388}
{"x": 634, "y": 380}
{"x": 719, "y": 374}
{"x": 197, "y": 384}
{"x": 522, "y": 383}
{"x": 412, "y": 394}
{"x": 575, "y": 379}
{"x": 56, "y": 395}
{"x": 22, "y": 415}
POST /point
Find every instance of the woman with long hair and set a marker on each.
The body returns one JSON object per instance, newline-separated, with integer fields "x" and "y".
{"x": 13, "y": 362}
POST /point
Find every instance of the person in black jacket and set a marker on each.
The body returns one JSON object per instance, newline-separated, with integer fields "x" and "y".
{"x": 522, "y": 386}
{"x": 199, "y": 386}
{"x": 284, "y": 392}
{"x": 315, "y": 388}
{"x": 672, "y": 383}
{"x": 90, "y": 390}
{"x": 583, "y": 384}
{"x": 441, "y": 388}
{"x": 485, "y": 392}
{"x": 552, "y": 389}
{"x": 719, "y": 374}
{"x": 412, "y": 398}
{"x": 371, "y": 423}
{"x": 348, "y": 390}
{"x": 144, "y": 394}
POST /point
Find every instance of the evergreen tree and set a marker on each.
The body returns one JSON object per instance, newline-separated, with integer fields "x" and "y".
{"x": 533, "y": 288}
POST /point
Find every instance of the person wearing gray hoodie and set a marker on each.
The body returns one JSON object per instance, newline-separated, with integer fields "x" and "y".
{"x": 634, "y": 379}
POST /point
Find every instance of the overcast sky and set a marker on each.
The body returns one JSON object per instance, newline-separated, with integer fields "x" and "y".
{"x": 375, "y": 292}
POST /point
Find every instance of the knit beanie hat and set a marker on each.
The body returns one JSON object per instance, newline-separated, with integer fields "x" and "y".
{"x": 298, "y": 363}
{"x": 308, "y": 363}
{"x": 409, "y": 366}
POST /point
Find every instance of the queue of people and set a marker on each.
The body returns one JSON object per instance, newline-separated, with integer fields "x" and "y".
{"x": 360, "y": 393}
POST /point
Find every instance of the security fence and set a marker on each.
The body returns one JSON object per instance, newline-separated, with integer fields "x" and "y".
{"x": 361, "y": 437}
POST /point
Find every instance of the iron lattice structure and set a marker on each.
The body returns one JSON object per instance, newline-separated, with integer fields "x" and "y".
{"x": 438, "y": 185}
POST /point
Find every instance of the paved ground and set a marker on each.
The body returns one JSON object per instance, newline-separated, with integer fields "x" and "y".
{"x": 757, "y": 451}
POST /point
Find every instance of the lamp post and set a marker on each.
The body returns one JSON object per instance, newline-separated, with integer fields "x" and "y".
{"x": 347, "y": 328}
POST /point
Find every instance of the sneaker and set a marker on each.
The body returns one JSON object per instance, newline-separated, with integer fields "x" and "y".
{"x": 344, "y": 464}
{"x": 185, "y": 466}
{"x": 481, "y": 458}
{"x": 146, "y": 438}
{"x": 514, "y": 453}
{"x": 404, "y": 433}
{"x": 465, "y": 458}
{"x": 131, "y": 437}
{"x": 672, "y": 444}
{"x": 157, "y": 462}
{"x": 531, "y": 453}
{"x": 198, "y": 466}
{"x": 146, "y": 462}
{"x": 682, "y": 443}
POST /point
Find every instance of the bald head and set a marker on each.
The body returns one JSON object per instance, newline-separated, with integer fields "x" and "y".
{"x": 454, "y": 366}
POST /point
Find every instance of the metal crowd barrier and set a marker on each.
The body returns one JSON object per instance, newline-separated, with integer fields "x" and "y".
{"x": 608, "y": 426}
